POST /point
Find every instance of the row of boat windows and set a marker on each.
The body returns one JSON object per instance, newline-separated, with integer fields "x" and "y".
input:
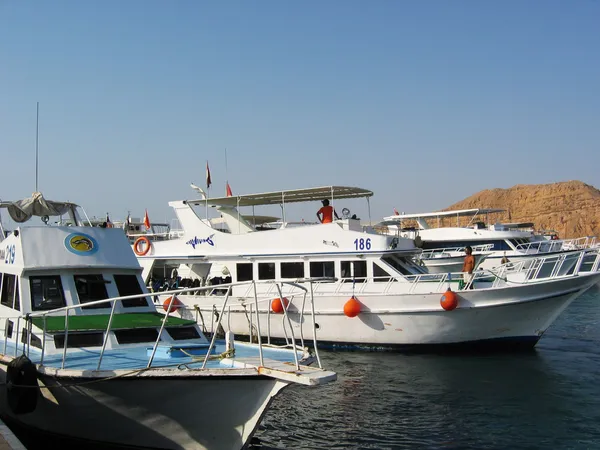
{"x": 317, "y": 269}
{"x": 96, "y": 339}
{"x": 47, "y": 291}
{"x": 499, "y": 244}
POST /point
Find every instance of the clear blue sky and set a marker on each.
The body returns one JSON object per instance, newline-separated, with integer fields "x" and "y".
{"x": 424, "y": 102}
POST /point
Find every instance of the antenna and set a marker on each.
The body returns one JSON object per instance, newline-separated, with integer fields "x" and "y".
{"x": 37, "y": 129}
{"x": 226, "y": 171}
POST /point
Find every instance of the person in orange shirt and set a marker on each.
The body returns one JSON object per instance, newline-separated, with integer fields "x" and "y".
{"x": 326, "y": 213}
{"x": 468, "y": 267}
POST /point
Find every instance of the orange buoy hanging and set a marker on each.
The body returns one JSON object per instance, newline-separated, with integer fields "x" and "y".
{"x": 136, "y": 246}
{"x": 449, "y": 300}
{"x": 277, "y": 305}
{"x": 352, "y": 307}
{"x": 176, "y": 304}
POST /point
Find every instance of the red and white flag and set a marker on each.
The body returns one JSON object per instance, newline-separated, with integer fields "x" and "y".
{"x": 147, "y": 221}
{"x": 228, "y": 190}
{"x": 208, "y": 180}
{"x": 396, "y": 212}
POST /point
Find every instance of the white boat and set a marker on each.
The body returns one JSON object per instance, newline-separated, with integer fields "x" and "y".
{"x": 381, "y": 297}
{"x": 444, "y": 260}
{"x": 85, "y": 355}
{"x": 508, "y": 240}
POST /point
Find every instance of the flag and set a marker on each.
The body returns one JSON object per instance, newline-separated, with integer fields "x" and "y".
{"x": 146, "y": 221}
{"x": 396, "y": 212}
{"x": 208, "y": 180}
{"x": 108, "y": 222}
{"x": 228, "y": 190}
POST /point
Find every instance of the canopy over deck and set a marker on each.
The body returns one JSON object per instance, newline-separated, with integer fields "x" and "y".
{"x": 291, "y": 196}
{"x": 390, "y": 220}
{"x": 23, "y": 210}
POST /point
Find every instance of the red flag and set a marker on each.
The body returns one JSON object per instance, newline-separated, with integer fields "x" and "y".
{"x": 396, "y": 212}
{"x": 228, "y": 189}
{"x": 108, "y": 222}
{"x": 147, "y": 221}
{"x": 208, "y": 180}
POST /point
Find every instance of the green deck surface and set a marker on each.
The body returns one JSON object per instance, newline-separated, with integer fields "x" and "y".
{"x": 99, "y": 322}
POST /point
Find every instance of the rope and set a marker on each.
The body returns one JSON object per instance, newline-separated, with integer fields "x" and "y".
{"x": 226, "y": 354}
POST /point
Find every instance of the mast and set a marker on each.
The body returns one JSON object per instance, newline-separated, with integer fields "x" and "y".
{"x": 37, "y": 128}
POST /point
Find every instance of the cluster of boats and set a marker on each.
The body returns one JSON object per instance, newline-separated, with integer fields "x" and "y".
{"x": 148, "y": 340}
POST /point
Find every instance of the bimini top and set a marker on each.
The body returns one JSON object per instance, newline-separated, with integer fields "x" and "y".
{"x": 23, "y": 210}
{"x": 390, "y": 220}
{"x": 292, "y": 196}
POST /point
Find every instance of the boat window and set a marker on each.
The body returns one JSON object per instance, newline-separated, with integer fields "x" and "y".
{"x": 46, "y": 292}
{"x": 35, "y": 341}
{"x": 266, "y": 271}
{"x": 10, "y": 293}
{"x": 130, "y": 285}
{"x": 292, "y": 270}
{"x": 244, "y": 271}
{"x": 91, "y": 288}
{"x": 136, "y": 335}
{"x": 322, "y": 269}
{"x": 397, "y": 264}
{"x": 182, "y": 333}
{"x": 380, "y": 275}
{"x": 78, "y": 340}
{"x": 360, "y": 271}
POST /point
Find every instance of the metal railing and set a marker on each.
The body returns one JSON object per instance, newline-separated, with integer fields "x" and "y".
{"x": 113, "y": 301}
{"x": 552, "y": 246}
{"x": 433, "y": 253}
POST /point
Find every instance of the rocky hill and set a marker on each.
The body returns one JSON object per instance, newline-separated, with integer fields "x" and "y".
{"x": 571, "y": 208}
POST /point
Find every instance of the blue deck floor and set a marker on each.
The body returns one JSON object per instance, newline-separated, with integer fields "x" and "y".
{"x": 136, "y": 357}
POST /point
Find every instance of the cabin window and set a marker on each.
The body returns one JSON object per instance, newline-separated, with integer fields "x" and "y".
{"x": 266, "y": 271}
{"x": 360, "y": 270}
{"x": 130, "y": 285}
{"x": 322, "y": 269}
{"x": 292, "y": 270}
{"x": 78, "y": 340}
{"x": 46, "y": 292}
{"x": 379, "y": 274}
{"x": 244, "y": 271}
{"x": 136, "y": 335}
{"x": 10, "y": 293}
{"x": 91, "y": 288}
{"x": 396, "y": 264}
{"x": 182, "y": 333}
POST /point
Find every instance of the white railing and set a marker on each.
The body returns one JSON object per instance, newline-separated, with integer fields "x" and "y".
{"x": 532, "y": 270}
{"x": 439, "y": 252}
{"x": 113, "y": 301}
{"x": 551, "y": 246}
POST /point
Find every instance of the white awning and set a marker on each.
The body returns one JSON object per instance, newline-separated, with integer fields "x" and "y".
{"x": 292, "y": 196}
{"x": 22, "y": 210}
{"x": 389, "y": 220}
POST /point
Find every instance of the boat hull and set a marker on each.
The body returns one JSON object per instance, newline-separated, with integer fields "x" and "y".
{"x": 516, "y": 315}
{"x": 210, "y": 412}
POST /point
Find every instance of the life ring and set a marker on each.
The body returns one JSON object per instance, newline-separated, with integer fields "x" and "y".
{"x": 136, "y": 245}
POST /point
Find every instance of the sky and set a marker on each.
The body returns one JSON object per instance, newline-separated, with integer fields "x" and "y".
{"x": 423, "y": 102}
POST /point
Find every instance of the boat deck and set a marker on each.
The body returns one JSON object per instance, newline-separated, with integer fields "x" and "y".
{"x": 136, "y": 357}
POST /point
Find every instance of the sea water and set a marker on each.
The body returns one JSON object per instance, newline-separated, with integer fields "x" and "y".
{"x": 545, "y": 398}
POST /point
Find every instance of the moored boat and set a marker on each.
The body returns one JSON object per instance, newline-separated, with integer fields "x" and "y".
{"x": 380, "y": 298}
{"x": 85, "y": 354}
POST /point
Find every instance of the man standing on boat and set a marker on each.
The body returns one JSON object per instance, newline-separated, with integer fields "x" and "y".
{"x": 325, "y": 214}
{"x": 468, "y": 267}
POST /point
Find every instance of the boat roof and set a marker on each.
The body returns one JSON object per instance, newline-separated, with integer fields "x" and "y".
{"x": 289, "y": 196}
{"x": 36, "y": 205}
{"x": 454, "y": 213}
{"x": 518, "y": 225}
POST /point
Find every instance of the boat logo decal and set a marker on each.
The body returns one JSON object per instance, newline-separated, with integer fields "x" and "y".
{"x": 81, "y": 244}
{"x": 196, "y": 241}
